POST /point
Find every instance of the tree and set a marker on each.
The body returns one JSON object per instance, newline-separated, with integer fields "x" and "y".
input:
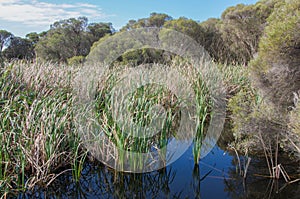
{"x": 158, "y": 20}
{"x": 242, "y": 26}
{"x": 146, "y": 55}
{"x": 99, "y": 30}
{"x": 19, "y": 48}
{"x": 213, "y": 41}
{"x": 155, "y": 20}
{"x": 33, "y": 37}
{"x": 70, "y": 37}
{"x": 5, "y": 37}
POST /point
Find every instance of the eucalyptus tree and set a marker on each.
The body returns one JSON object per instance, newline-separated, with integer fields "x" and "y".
{"x": 70, "y": 38}
{"x": 214, "y": 42}
{"x": 242, "y": 27}
{"x": 188, "y": 27}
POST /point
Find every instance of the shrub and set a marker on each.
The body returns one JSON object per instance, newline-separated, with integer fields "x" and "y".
{"x": 276, "y": 70}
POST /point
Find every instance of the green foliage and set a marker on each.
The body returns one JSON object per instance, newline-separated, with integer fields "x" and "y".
{"x": 282, "y": 37}
{"x": 123, "y": 49}
{"x": 70, "y": 37}
{"x": 243, "y": 98}
{"x": 145, "y": 55}
{"x": 33, "y": 37}
{"x": 232, "y": 39}
{"x": 241, "y": 107}
{"x": 275, "y": 74}
{"x": 142, "y": 56}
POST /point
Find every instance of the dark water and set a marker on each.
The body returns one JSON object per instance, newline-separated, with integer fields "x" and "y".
{"x": 217, "y": 176}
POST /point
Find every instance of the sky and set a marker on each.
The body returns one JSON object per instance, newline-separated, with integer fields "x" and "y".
{"x": 23, "y": 16}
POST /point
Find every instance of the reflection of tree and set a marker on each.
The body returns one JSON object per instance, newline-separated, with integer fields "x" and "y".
{"x": 226, "y": 136}
{"x": 98, "y": 181}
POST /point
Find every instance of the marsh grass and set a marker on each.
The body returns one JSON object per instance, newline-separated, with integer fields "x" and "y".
{"x": 37, "y": 131}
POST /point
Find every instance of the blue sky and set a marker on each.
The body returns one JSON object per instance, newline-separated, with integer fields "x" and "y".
{"x": 23, "y": 16}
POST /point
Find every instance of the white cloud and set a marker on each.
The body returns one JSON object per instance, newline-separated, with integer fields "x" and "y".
{"x": 39, "y": 13}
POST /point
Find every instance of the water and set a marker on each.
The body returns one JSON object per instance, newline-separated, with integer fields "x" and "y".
{"x": 216, "y": 176}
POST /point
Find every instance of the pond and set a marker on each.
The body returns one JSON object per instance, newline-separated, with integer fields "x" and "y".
{"x": 216, "y": 176}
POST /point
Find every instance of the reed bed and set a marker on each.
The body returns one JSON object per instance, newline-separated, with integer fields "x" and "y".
{"x": 37, "y": 131}
{"x": 39, "y": 115}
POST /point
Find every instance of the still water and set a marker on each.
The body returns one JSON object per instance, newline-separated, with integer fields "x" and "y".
{"x": 216, "y": 176}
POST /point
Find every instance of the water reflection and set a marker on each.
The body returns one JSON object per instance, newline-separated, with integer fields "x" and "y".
{"x": 98, "y": 181}
{"x": 215, "y": 177}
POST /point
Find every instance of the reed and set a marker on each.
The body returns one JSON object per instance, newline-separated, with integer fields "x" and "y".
{"x": 37, "y": 129}
{"x": 203, "y": 104}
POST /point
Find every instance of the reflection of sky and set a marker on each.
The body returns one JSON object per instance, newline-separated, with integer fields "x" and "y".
{"x": 213, "y": 185}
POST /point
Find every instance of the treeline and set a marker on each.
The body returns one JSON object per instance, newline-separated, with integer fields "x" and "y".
{"x": 233, "y": 38}
{"x": 64, "y": 40}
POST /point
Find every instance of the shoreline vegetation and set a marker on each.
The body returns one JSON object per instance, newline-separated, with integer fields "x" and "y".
{"x": 257, "y": 48}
